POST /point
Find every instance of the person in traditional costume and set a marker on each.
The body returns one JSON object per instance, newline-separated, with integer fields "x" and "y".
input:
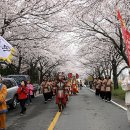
{"x": 98, "y": 86}
{"x": 80, "y": 85}
{"x": 50, "y": 89}
{"x": 69, "y": 84}
{"x": 54, "y": 86}
{"x": 3, "y": 106}
{"x": 67, "y": 90}
{"x": 126, "y": 88}
{"x": 45, "y": 90}
{"x": 95, "y": 83}
{"x": 108, "y": 89}
{"x": 74, "y": 85}
{"x": 60, "y": 95}
{"x": 103, "y": 88}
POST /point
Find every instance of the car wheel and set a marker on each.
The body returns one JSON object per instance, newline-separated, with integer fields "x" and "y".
{"x": 14, "y": 103}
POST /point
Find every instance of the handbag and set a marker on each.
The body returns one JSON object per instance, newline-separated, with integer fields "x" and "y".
{"x": 108, "y": 89}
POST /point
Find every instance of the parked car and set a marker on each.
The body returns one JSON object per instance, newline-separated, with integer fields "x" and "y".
{"x": 19, "y": 78}
{"x": 12, "y": 97}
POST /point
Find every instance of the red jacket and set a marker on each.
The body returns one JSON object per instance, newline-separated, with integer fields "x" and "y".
{"x": 22, "y": 92}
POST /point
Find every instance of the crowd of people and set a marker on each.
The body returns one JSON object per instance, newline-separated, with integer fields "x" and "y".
{"x": 60, "y": 87}
{"x": 25, "y": 92}
{"x": 103, "y": 87}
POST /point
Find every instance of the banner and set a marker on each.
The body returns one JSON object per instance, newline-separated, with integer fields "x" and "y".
{"x": 70, "y": 75}
{"x": 6, "y": 50}
{"x": 77, "y": 76}
{"x": 126, "y": 35}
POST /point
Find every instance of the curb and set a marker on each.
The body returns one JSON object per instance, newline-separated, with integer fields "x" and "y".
{"x": 120, "y": 106}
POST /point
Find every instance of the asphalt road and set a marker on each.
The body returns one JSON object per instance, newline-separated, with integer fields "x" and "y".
{"x": 38, "y": 116}
{"x": 88, "y": 112}
{"x": 83, "y": 112}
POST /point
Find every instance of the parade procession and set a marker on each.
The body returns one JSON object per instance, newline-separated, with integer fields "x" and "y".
{"x": 60, "y": 87}
{"x": 64, "y": 64}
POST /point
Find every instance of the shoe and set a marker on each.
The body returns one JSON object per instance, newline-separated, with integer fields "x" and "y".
{"x": 21, "y": 114}
{"x": 45, "y": 102}
{"x": 106, "y": 101}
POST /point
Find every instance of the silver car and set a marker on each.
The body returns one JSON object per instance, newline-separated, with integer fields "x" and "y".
{"x": 12, "y": 87}
{"x": 19, "y": 78}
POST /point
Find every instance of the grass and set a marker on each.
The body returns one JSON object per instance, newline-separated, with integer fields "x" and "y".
{"x": 119, "y": 93}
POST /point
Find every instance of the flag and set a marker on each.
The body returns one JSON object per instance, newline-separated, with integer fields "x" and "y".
{"x": 6, "y": 50}
{"x": 121, "y": 19}
{"x": 77, "y": 76}
{"x": 126, "y": 35}
{"x": 70, "y": 75}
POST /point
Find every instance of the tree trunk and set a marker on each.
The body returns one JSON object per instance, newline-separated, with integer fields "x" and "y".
{"x": 115, "y": 78}
{"x": 41, "y": 76}
{"x": 19, "y": 64}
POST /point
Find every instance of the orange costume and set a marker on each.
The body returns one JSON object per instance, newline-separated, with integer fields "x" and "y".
{"x": 74, "y": 86}
{"x": 3, "y": 106}
{"x": 69, "y": 84}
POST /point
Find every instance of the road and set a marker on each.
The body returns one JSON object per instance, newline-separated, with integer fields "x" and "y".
{"x": 38, "y": 116}
{"x": 83, "y": 112}
{"x": 88, "y": 112}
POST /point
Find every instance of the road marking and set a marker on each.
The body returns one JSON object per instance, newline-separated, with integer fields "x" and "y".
{"x": 119, "y": 105}
{"x": 53, "y": 123}
{"x": 122, "y": 107}
{"x": 38, "y": 95}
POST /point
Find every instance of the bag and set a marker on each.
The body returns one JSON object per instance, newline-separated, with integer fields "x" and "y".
{"x": 97, "y": 87}
{"x": 108, "y": 89}
{"x": 102, "y": 88}
{"x": 45, "y": 90}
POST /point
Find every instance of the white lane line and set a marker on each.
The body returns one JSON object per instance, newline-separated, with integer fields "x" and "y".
{"x": 122, "y": 107}
{"x": 119, "y": 105}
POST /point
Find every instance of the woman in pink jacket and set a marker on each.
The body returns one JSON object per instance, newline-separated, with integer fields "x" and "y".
{"x": 30, "y": 91}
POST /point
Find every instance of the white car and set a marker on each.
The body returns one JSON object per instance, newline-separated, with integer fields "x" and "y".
{"x": 12, "y": 87}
